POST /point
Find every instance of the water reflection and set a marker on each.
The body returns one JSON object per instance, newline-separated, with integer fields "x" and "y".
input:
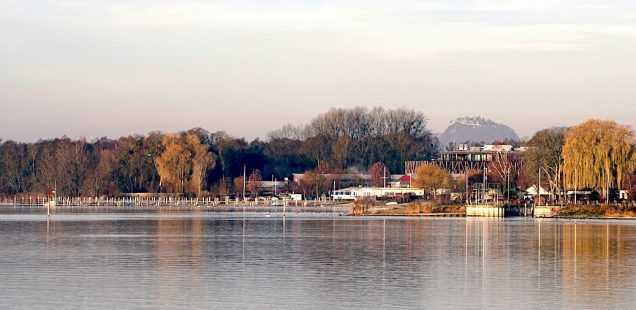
{"x": 237, "y": 261}
{"x": 573, "y": 262}
{"x": 594, "y": 258}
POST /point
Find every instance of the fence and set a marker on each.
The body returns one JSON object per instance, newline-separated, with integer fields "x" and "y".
{"x": 154, "y": 202}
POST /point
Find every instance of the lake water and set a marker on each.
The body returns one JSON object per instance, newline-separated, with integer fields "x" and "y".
{"x": 224, "y": 261}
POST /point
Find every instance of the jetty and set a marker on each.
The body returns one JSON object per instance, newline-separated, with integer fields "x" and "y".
{"x": 499, "y": 210}
{"x": 170, "y": 204}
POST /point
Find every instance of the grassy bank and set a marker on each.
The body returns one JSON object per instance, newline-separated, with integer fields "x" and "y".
{"x": 411, "y": 209}
{"x": 602, "y": 211}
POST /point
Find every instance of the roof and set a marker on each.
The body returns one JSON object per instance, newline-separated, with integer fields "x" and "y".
{"x": 349, "y": 176}
{"x": 405, "y": 177}
{"x": 532, "y": 190}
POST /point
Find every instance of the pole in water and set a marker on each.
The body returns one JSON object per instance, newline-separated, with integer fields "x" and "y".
{"x": 508, "y": 185}
{"x": 384, "y": 176}
{"x": 466, "y": 176}
{"x": 244, "y": 176}
{"x": 539, "y": 187}
{"x": 575, "y": 186}
{"x": 608, "y": 190}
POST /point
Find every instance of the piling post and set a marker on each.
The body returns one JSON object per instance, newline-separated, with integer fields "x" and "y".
{"x": 284, "y": 205}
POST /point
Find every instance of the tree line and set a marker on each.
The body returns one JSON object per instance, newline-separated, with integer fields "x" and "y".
{"x": 197, "y": 162}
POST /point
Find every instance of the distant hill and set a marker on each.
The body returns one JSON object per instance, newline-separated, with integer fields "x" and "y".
{"x": 476, "y": 129}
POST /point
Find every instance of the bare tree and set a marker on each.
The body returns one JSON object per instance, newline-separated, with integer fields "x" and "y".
{"x": 503, "y": 166}
{"x": 380, "y": 174}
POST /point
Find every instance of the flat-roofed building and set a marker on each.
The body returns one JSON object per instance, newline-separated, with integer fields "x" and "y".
{"x": 464, "y": 159}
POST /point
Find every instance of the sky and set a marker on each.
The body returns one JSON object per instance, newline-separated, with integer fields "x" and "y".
{"x": 85, "y": 68}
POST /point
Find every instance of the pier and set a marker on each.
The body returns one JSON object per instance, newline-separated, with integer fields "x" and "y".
{"x": 171, "y": 204}
{"x": 499, "y": 210}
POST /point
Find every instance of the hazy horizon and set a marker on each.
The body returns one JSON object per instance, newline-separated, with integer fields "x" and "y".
{"x": 115, "y": 68}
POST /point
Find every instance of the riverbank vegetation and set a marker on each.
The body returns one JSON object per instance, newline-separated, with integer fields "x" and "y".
{"x": 367, "y": 207}
{"x": 593, "y": 211}
{"x": 597, "y": 156}
{"x": 197, "y": 162}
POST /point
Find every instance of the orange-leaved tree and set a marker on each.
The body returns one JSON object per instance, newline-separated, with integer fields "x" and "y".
{"x": 431, "y": 178}
{"x": 255, "y": 182}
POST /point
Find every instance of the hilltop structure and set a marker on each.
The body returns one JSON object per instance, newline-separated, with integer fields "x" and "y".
{"x": 476, "y": 129}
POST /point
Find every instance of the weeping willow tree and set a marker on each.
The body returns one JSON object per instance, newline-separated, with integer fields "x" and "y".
{"x": 184, "y": 163}
{"x": 598, "y": 154}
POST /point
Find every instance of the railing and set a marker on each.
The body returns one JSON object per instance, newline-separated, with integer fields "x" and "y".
{"x": 453, "y": 166}
{"x": 159, "y": 202}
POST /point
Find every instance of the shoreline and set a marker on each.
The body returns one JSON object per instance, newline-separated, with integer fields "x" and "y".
{"x": 339, "y": 210}
{"x": 603, "y": 212}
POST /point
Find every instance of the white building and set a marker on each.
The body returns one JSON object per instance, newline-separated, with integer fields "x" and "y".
{"x": 354, "y": 193}
{"x": 497, "y": 148}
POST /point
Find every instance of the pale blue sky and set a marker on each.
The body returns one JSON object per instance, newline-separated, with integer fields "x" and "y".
{"x": 95, "y": 68}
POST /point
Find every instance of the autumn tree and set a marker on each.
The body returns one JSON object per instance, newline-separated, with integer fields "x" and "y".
{"x": 314, "y": 183}
{"x": 255, "y": 182}
{"x": 239, "y": 183}
{"x": 598, "y": 154}
{"x": 174, "y": 165}
{"x": 202, "y": 160}
{"x": 431, "y": 178}
{"x": 380, "y": 174}
{"x": 184, "y": 162}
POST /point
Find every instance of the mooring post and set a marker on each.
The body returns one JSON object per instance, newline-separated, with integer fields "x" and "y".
{"x": 284, "y": 205}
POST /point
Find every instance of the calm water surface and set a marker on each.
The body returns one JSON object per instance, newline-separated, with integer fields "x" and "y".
{"x": 225, "y": 261}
